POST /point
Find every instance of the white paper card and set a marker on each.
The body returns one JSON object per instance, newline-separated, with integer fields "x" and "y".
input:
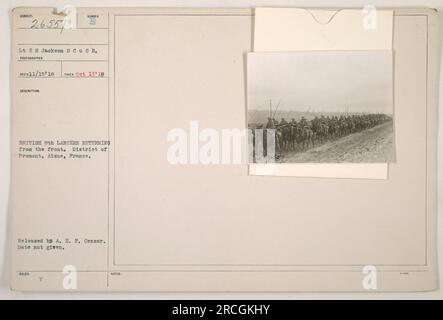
{"x": 294, "y": 29}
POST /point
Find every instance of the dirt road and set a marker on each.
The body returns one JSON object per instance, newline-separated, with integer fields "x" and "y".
{"x": 372, "y": 145}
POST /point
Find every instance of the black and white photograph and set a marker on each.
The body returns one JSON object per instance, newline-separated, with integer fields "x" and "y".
{"x": 321, "y": 106}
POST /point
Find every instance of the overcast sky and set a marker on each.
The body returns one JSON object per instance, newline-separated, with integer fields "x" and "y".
{"x": 354, "y": 81}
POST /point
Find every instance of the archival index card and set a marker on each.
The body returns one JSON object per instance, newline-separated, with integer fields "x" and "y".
{"x": 116, "y": 114}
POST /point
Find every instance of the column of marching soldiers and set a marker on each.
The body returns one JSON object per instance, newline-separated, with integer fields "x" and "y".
{"x": 304, "y": 134}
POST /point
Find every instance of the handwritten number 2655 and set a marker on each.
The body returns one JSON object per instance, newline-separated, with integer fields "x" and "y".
{"x": 42, "y": 24}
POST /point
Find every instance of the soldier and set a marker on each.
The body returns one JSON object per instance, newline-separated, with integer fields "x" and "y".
{"x": 316, "y": 123}
{"x": 283, "y": 122}
{"x": 270, "y": 124}
{"x": 323, "y": 119}
{"x": 303, "y": 122}
{"x": 275, "y": 122}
